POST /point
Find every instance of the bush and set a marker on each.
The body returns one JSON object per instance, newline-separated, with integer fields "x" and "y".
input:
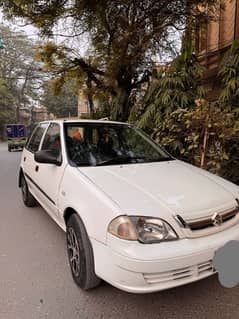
{"x": 206, "y": 136}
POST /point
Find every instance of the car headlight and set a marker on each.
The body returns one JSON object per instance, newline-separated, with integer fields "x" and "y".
{"x": 146, "y": 230}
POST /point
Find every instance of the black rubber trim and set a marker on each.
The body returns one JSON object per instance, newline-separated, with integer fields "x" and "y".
{"x": 39, "y": 188}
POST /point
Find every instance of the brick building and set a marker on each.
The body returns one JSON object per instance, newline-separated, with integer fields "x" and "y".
{"x": 212, "y": 40}
{"x": 83, "y": 104}
{"x": 83, "y": 107}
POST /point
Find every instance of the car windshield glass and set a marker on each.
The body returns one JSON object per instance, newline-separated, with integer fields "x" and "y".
{"x": 99, "y": 144}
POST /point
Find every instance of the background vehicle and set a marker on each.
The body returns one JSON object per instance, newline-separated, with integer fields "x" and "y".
{"x": 16, "y": 136}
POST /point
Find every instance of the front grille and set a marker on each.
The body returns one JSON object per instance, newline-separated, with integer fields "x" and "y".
{"x": 192, "y": 272}
{"x": 208, "y": 222}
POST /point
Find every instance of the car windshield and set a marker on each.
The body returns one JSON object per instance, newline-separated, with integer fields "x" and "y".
{"x": 100, "y": 144}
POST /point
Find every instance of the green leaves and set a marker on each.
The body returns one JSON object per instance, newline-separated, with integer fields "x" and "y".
{"x": 229, "y": 73}
{"x": 179, "y": 117}
{"x": 62, "y": 104}
{"x": 174, "y": 88}
{"x": 183, "y": 131}
{"x": 7, "y": 107}
{"x": 20, "y": 77}
{"x": 17, "y": 66}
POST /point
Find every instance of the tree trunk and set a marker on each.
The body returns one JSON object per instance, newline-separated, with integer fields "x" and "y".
{"x": 121, "y": 106}
{"x": 121, "y": 103}
{"x": 122, "y": 100}
{"x": 205, "y": 140}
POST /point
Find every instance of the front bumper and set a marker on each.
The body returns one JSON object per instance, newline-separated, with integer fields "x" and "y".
{"x": 139, "y": 268}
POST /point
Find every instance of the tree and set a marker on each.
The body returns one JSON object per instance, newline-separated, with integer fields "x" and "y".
{"x": 125, "y": 37}
{"x": 18, "y": 67}
{"x": 229, "y": 73}
{"x": 229, "y": 99}
{"x": 172, "y": 87}
{"x": 61, "y": 105}
{"x": 205, "y": 131}
{"x": 7, "y": 107}
{"x": 192, "y": 129}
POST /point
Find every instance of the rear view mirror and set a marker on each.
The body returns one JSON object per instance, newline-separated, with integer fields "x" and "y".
{"x": 47, "y": 157}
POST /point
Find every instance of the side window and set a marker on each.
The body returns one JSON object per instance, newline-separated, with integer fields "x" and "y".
{"x": 35, "y": 139}
{"x": 52, "y": 140}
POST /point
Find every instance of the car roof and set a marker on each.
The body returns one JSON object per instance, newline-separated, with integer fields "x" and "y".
{"x": 60, "y": 121}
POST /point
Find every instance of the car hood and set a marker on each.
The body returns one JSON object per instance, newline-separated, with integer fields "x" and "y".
{"x": 163, "y": 187}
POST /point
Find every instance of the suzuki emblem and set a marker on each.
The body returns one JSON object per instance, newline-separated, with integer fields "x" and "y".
{"x": 217, "y": 219}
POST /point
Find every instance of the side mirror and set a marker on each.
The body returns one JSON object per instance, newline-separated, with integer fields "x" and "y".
{"x": 47, "y": 157}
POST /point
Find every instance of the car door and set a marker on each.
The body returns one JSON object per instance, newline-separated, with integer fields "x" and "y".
{"x": 28, "y": 162}
{"x": 48, "y": 176}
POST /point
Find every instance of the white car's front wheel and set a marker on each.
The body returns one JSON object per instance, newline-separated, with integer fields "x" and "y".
{"x": 80, "y": 254}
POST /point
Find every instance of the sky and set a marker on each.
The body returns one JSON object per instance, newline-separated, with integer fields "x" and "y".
{"x": 18, "y": 26}
{"x": 32, "y": 33}
{"x": 81, "y": 44}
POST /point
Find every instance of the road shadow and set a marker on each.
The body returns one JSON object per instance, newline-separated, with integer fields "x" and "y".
{"x": 202, "y": 299}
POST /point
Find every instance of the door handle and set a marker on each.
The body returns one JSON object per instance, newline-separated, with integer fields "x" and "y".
{"x": 37, "y": 168}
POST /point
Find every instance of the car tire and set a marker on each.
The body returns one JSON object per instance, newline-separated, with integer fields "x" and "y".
{"x": 27, "y": 197}
{"x": 80, "y": 254}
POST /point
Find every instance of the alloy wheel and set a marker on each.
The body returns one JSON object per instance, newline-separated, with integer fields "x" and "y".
{"x": 73, "y": 251}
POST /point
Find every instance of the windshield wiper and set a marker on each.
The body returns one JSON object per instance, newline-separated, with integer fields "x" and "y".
{"x": 120, "y": 160}
{"x": 163, "y": 159}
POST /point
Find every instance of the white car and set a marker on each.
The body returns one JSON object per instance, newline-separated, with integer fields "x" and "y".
{"x": 134, "y": 216}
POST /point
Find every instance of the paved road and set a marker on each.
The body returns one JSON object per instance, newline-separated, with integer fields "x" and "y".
{"x": 35, "y": 280}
